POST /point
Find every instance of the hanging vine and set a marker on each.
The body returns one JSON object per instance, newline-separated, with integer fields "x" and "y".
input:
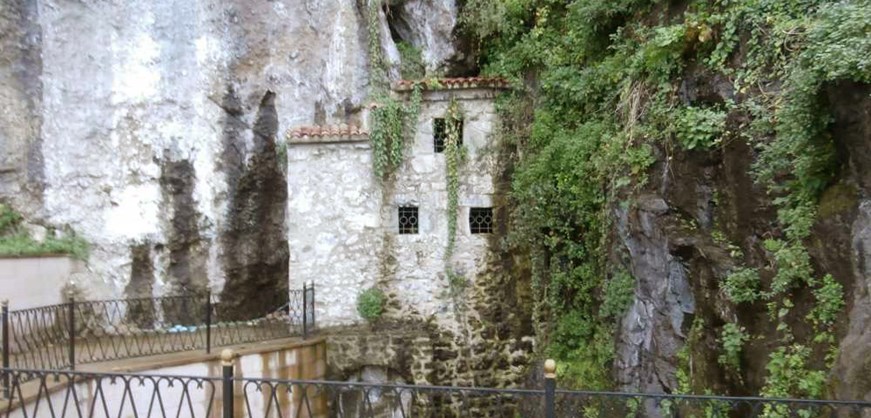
{"x": 454, "y": 156}
{"x": 393, "y": 120}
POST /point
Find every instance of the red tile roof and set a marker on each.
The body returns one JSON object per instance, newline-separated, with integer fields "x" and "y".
{"x": 325, "y": 133}
{"x": 453, "y": 83}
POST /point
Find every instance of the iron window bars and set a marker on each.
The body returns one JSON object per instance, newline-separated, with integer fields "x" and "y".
{"x": 440, "y": 133}
{"x": 481, "y": 220}
{"x": 408, "y": 220}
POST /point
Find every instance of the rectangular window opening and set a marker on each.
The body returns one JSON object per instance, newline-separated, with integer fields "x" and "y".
{"x": 481, "y": 220}
{"x": 408, "y": 220}
{"x": 440, "y": 133}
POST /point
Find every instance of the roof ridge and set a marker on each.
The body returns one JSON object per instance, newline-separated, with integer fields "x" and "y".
{"x": 321, "y": 131}
{"x": 452, "y": 83}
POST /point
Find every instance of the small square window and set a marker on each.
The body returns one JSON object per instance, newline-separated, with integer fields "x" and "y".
{"x": 408, "y": 220}
{"x": 481, "y": 220}
{"x": 440, "y": 133}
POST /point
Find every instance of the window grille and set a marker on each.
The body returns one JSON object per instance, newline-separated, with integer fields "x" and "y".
{"x": 408, "y": 220}
{"x": 481, "y": 220}
{"x": 440, "y": 133}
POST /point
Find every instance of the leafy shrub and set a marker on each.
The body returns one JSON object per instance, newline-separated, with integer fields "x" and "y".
{"x": 742, "y": 285}
{"x": 788, "y": 374}
{"x": 370, "y": 304}
{"x": 732, "y": 339}
{"x": 619, "y": 293}
{"x": 699, "y": 128}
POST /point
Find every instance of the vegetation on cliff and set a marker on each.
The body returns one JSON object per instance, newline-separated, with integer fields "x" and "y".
{"x": 602, "y": 95}
{"x": 15, "y": 240}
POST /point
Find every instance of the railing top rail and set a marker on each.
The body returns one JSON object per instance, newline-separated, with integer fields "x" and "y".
{"x": 38, "y": 308}
{"x": 606, "y": 394}
{"x": 431, "y": 388}
{"x": 214, "y": 298}
{"x": 102, "y": 301}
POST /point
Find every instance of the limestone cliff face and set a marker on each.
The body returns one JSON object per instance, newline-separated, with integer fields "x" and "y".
{"x": 136, "y": 122}
{"x": 680, "y": 268}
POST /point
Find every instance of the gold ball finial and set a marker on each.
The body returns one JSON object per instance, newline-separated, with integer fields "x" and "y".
{"x": 549, "y": 369}
{"x": 227, "y": 357}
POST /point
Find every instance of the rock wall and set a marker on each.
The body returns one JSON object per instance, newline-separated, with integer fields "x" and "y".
{"x": 681, "y": 234}
{"x": 134, "y": 122}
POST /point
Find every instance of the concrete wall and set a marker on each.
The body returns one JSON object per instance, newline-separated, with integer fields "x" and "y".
{"x": 29, "y": 282}
{"x": 343, "y": 222}
{"x": 305, "y": 361}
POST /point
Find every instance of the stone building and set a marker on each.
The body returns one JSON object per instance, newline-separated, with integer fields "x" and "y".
{"x": 349, "y": 231}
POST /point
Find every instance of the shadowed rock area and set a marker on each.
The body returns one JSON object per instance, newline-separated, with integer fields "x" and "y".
{"x": 255, "y": 241}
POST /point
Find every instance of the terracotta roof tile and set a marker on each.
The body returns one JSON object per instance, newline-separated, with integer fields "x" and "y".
{"x": 454, "y": 83}
{"x": 326, "y": 133}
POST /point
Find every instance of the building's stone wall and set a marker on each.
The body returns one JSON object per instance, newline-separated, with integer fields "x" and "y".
{"x": 343, "y": 222}
{"x": 344, "y": 237}
{"x": 417, "y": 261}
{"x": 334, "y": 226}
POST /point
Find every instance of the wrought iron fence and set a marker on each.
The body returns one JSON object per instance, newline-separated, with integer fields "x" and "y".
{"x": 60, "y": 336}
{"x": 61, "y": 394}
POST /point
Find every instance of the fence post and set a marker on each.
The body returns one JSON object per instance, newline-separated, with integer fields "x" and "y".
{"x": 549, "y": 388}
{"x": 312, "y": 284}
{"x": 304, "y": 310}
{"x": 209, "y": 322}
{"x": 4, "y": 318}
{"x": 227, "y": 363}
{"x": 72, "y": 328}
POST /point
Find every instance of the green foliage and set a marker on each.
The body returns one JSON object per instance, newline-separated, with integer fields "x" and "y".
{"x": 732, "y": 339}
{"x": 742, "y": 285}
{"x": 793, "y": 265}
{"x": 392, "y": 121}
{"x": 609, "y": 79}
{"x": 789, "y": 375}
{"x": 699, "y": 128}
{"x": 9, "y": 219}
{"x": 370, "y": 304}
{"x": 377, "y": 65}
{"x": 619, "y": 294}
{"x": 685, "y": 368}
{"x": 453, "y": 158}
{"x": 15, "y": 241}
{"x": 585, "y": 350}
{"x": 412, "y": 67}
{"x": 829, "y": 304}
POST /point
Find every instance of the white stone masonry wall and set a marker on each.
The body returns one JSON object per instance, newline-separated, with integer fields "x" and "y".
{"x": 334, "y": 227}
{"x": 343, "y": 230}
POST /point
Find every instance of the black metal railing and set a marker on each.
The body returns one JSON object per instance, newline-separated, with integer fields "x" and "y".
{"x": 61, "y": 394}
{"x": 61, "y": 336}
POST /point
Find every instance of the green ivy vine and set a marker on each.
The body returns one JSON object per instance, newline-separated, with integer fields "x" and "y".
{"x": 454, "y": 157}
{"x": 393, "y": 121}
